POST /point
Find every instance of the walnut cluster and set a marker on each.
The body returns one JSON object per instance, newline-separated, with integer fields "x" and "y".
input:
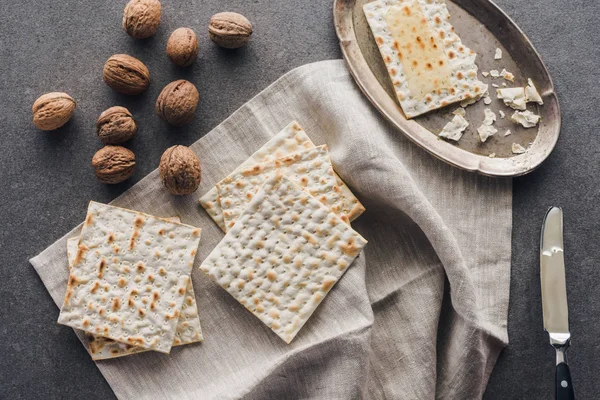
{"x": 176, "y": 104}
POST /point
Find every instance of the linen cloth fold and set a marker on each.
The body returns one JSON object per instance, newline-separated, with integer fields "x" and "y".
{"x": 420, "y": 314}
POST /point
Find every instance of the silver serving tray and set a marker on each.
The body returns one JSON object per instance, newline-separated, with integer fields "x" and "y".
{"x": 483, "y": 27}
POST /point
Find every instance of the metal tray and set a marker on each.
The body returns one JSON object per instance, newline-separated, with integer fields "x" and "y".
{"x": 483, "y": 27}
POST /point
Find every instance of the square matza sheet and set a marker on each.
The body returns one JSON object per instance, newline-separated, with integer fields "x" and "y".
{"x": 291, "y": 139}
{"x": 129, "y": 277}
{"x": 283, "y": 255}
{"x": 188, "y": 326}
{"x": 429, "y": 66}
{"x": 311, "y": 169}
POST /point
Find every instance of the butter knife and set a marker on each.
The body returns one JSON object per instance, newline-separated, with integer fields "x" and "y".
{"x": 554, "y": 298}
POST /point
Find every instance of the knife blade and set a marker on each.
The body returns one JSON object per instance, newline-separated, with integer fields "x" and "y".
{"x": 554, "y": 297}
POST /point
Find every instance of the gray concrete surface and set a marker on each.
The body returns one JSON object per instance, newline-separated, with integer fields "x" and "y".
{"x": 45, "y": 184}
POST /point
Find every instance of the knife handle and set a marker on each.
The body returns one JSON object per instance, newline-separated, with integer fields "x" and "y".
{"x": 564, "y": 386}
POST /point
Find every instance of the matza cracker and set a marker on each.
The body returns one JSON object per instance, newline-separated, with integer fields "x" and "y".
{"x": 291, "y": 139}
{"x": 428, "y": 64}
{"x": 188, "y": 326}
{"x": 129, "y": 277}
{"x": 283, "y": 255}
{"x": 311, "y": 169}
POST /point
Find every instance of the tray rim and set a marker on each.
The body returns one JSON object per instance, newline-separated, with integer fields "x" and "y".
{"x": 343, "y": 12}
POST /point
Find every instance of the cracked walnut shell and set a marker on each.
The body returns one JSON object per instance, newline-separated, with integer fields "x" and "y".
{"x": 229, "y": 30}
{"x": 115, "y": 125}
{"x": 113, "y": 164}
{"x": 52, "y": 110}
{"x": 177, "y": 102}
{"x": 182, "y": 47}
{"x": 141, "y": 18}
{"x": 180, "y": 170}
{"x": 126, "y": 74}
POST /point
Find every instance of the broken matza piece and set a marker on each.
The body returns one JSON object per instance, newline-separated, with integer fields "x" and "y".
{"x": 129, "y": 277}
{"x": 188, "y": 325}
{"x": 428, "y": 64}
{"x": 311, "y": 169}
{"x": 291, "y": 139}
{"x": 283, "y": 255}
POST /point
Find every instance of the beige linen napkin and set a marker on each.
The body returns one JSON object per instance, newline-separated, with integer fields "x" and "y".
{"x": 420, "y": 314}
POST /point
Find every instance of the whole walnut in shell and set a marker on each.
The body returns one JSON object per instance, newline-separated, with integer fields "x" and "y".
{"x": 113, "y": 164}
{"x": 177, "y": 102}
{"x": 229, "y": 30}
{"x": 141, "y": 18}
{"x": 115, "y": 125}
{"x": 182, "y": 47}
{"x": 52, "y": 110}
{"x": 180, "y": 170}
{"x": 126, "y": 74}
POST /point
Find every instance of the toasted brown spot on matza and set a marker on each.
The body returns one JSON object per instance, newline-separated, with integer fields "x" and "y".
{"x": 101, "y": 267}
{"x": 140, "y": 268}
{"x": 135, "y": 341}
{"x": 80, "y": 253}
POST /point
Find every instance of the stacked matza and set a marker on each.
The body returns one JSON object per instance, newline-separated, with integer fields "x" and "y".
{"x": 287, "y": 217}
{"x": 129, "y": 286}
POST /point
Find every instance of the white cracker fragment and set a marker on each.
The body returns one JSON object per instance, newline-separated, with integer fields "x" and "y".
{"x": 129, "y": 277}
{"x": 507, "y": 133}
{"x": 531, "y": 93}
{"x": 473, "y": 100}
{"x": 485, "y": 131}
{"x": 489, "y": 118}
{"x": 495, "y": 85}
{"x": 507, "y": 75}
{"x": 498, "y": 54}
{"x": 454, "y": 129}
{"x": 504, "y": 84}
{"x": 445, "y": 70}
{"x": 485, "y": 73}
{"x": 518, "y": 149}
{"x": 526, "y": 118}
{"x": 311, "y": 169}
{"x": 492, "y": 155}
{"x": 289, "y": 140}
{"x": 513, "y": 97}
{"x": 494, "y": 73}
{"x": 487, "y": 100}
{"x": 188, "y": 325}
{"x": 459, "y": 111}
{"x": 502, "y": 115}
{"x": 283, "y": 255}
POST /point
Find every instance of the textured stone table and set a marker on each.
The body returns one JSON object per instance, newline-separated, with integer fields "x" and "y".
{"x": 46, "y": 182}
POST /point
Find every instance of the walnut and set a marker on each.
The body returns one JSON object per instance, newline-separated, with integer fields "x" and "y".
{"x": 177, "y": 102}
{"x": 126, "y": 74}
{"x": 113, "y": 164}
{"x": 180, "y": 170}
{"x": 115, "y": 125}
{"x": 229, "y": 30}
{"x": 52, "y": 110}
{"x": 182, "y": 47}
{"x": 141, "y": 18}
